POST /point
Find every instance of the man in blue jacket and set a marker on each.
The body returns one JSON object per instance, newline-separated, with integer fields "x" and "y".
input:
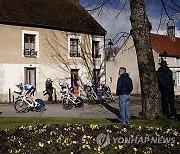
{"x": 123, "y": 90}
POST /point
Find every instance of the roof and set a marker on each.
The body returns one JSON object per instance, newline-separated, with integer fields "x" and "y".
{"x": 165, "y": 46}
{"x": 66, "y": 15}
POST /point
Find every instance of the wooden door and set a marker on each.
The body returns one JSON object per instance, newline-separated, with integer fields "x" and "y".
{"x": 74, "y": 81}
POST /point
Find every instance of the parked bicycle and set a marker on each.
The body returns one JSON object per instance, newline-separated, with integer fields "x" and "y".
{"x": 22, "y": 104}
{"x": 68, "y": 99}
{"x": 107, "y": 93}
{"x": 103, "y": 93}
{"x": 90, "y": 93}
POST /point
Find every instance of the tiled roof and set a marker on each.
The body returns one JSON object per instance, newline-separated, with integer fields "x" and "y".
{"x": 66, "y": 15}
{"x": 165, "y": 45}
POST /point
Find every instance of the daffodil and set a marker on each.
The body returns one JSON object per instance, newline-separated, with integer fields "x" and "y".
{"x": 120, "y": 147}
{"x": 168, "y": 130}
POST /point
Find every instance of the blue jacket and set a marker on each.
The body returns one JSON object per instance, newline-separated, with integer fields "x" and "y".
{"x": 124, "y": 85}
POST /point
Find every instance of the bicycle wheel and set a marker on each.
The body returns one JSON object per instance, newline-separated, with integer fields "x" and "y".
{"x": 20, "y": 106}
{"x": 67, "y": 104}
{"x": 40, "y": 106}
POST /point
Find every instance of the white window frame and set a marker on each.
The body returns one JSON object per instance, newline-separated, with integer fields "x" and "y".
{"x": 79, "y": 45}
{"x": 36, "y": 41}
{"x": 178, "y": 78}
{"x": 178, "y": 62}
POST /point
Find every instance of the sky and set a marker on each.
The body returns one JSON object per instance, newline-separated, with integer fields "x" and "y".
{"x": 114, "y": 25}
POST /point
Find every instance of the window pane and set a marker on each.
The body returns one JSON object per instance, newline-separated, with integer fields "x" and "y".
{"x": 74, "y": 48}
{"x": 178, "y": 78}
{"x": 95, "y": 49}
{"x": 29, "y": 45}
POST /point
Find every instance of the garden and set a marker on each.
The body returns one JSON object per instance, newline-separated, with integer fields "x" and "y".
{"x": 58, "y": 135}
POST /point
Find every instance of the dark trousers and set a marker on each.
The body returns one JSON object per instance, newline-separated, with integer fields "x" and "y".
{"x": 167, "y": 99}
{"x": 49, "y": 92}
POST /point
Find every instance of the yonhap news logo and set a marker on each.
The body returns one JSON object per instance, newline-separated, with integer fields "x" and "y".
{"x": 104, "y": 140}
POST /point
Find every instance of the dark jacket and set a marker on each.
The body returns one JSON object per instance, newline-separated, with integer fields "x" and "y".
{"x": 164, "y": 75}
{"x": 124, "y": 85}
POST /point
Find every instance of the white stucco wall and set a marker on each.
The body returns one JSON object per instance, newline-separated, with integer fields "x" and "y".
{"x": 127, "y": 58}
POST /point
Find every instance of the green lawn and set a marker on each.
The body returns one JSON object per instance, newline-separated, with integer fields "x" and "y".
{"x": 14, "y": 122}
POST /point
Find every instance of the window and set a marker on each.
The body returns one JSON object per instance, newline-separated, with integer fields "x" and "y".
{"x": 95, "y": 49}
{"x": 30, "y": 44}
{"x": 74, "y": 52}
{"x": 176, "y": 78}
{"x": 178, "y": 62}
{"x": 30, "y": 76}
{"x": 74, "y": 49}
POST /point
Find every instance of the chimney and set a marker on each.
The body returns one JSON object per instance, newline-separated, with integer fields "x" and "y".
{"x": 171, "y": 32}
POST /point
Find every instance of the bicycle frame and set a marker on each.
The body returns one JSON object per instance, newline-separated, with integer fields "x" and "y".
{"x": 68, "y": 97}
{"x": 91, "y": 93}
{"x": 23, "y": 98}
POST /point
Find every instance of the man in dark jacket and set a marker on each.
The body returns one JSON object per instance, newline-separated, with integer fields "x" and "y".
{"x": 49, "y": 89}
{"x": 166, "y": 87}
{"x": 123, "y": 90}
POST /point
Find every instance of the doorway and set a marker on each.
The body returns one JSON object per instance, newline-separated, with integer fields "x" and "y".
{"x": 74, "y": 81}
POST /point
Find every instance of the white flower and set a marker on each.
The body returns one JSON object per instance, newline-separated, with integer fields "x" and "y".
{"x": 139, "y": 127}
{"x": 135, "y": 149}
{"x": 41, "y": 144}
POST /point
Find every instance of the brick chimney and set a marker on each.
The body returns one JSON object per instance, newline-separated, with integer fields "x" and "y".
{"x": 171, "y": 32}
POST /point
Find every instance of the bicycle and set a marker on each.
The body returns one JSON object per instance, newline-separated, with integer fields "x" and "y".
{"x": 91, "y": 94}
{"x": 68, "y": 100}
{"x": 107, "y": 93}
{"x": 23, "y": 105}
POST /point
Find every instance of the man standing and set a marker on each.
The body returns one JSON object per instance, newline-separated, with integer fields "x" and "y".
{"x": 166, "y": 87}
{"x": 49, "y": 89}
{"x": 123, "y": 90}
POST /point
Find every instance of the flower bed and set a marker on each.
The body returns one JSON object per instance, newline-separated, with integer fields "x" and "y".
{"x": 77, "y": 138}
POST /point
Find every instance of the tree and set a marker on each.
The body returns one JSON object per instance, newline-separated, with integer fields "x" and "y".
{"x": 57, "y": 51}
{"x": 148, "y": 80}
{"x": 140, "y": 31}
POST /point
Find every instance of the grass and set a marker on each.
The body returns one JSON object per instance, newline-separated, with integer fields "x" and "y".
{"x": 6, "y": 123}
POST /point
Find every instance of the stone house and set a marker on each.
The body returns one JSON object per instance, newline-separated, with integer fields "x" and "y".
{"x": 43, "y": 39}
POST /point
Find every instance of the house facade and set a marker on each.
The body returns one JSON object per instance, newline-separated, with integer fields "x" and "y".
{"x": 48, "y": 39}
{"x": 165, "y": 46}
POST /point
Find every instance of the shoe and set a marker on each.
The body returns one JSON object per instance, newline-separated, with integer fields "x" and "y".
{"x": 122, "y": 123}
{"x": 128, "y": 122}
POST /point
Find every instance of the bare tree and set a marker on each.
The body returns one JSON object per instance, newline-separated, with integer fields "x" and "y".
{"x": 140, "y": 31}
{"x": 57, "y": 51}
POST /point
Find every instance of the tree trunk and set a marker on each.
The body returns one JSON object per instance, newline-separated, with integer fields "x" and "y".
{"x": 151, "y": 103}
